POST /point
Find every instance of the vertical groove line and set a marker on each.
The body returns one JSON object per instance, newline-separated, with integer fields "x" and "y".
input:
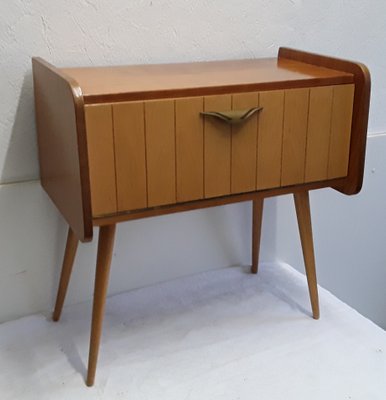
{"x": 203, "y": 150}
{"x": 282, "y": 140}
{"x": 351, "y": 98}
{"x": 330, "y": 138}
{"x": 115, "y": 158}
{"x": 175, "y": 151}
{"x": 145, "y": 138}
{"x": 307, "y": 127}
{"x": 257, "y": 139}
{"x": 231, "y": 158}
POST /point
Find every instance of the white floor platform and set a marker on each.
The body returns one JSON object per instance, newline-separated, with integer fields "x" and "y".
{"x": 224, "y": 335}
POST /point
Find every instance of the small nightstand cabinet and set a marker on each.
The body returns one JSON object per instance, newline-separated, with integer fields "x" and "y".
{"x": 121, "y": 143}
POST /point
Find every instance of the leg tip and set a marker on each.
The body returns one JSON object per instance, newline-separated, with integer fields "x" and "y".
{"x": 90, "y": 381}
{"x": 90, "y": 377}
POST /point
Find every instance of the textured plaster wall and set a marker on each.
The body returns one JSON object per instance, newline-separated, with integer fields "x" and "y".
{"x": 85, "y": 32}
{"x": 115, "y": 32}
{"x": 349, "y": 237}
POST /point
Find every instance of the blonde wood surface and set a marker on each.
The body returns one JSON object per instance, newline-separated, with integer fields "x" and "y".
{"x": 270, "y": 140}
{"x": 60, "y": 96}
{"x": 139, "y": 82}
{"x": 257, "y": 220}
{"x": 213, "y": 202}
{"x": 360, "y": 112}
{"x": 105, "y": 252}
{"x": 61, "y": 137}
{"x": 217, "y": 148}
{"x": 166, "y": 152}
{"x": 130, "y": 155}
{"x": 100, "y": 144}
{"x": 244, "y": 145}
{"x": 68, "y": 262}
{"x": 294, "y": 136}
{"x": 302, "y": 205}
{"x": 160, "y": 152}
{"x": 144, "y": 157}
{"x": 190, "y": 148}
{"x": 340, "y": 131}
{"x": 318, "y": 133}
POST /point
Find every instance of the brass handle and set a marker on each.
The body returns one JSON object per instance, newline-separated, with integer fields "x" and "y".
{"x": 232, "y": 117}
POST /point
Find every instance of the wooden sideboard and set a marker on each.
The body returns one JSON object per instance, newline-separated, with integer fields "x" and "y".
{"x": 128, "y": 142}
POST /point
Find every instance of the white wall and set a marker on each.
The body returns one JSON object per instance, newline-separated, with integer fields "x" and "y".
{"x": 32, "y": 237}
{"x": 104, "y": 32}
{"x": 349, "y": 237}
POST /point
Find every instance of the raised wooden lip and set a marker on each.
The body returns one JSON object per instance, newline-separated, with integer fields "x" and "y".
{"x": 354, "y": 72}
{"x": 78, "y": 102}
{"x": 209, "y": 91}
{"x": 271, "y": 83}
{"x": 353, "y": 183}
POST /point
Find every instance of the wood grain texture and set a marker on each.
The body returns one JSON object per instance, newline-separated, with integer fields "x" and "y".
{"x": 289, "y": 148}
{"x": 302, "y": 205}
{"x": 160, "y": 152}
{"x": 68, "y": 262}
{"x": 318, "y": 133}
{"x": 244, "y": 145}
{"x": 190, "y": 148}
{"x": 217, "y": 148}
{"x": 340, "y": 131}
{"x": 257, "y": 220}
{"x": 102, "y": 273}
{"x": 362, "y": 82}
{"x": 130, "y": 155}
{"x": 101, "y": 155}
{"x": 294, "y": 136}
{"x": 270, "y": 140}
{"x": 141, "y": 82}
{"x": 206, "y": 203}
{"x": 62, "y": 145}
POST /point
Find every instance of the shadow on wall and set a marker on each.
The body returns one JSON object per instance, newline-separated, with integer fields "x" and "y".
{"x": 21, "y": 160}
{"x": 21, "y": 164}
{"x": 32, "y": 235}
{"x": 31, "y": 243}
{"x": 268, "y": 239}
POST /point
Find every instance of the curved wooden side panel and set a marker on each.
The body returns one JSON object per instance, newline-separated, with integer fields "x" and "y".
{"x": 62, "y": 145}
{"x": 353, "y": 183}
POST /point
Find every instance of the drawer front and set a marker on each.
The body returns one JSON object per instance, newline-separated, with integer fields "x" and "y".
{"x": 101, "y": 158}
{"x": 157, "y": 152}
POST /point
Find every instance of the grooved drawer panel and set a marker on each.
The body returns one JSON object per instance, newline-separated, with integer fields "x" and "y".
{"x": 160, "y": 152}
{"x": 190, "y": 148}
{"x": 270, "y": 138}
{"x": 318, "y": 133}
{"x": 217, "y": 148}
{"x": 341, "y": 119}
{"x": 130, "y": 155}
{"x": 244, "y": 145}
{"x": 100, "y": 144}
{"x": 167, "y": 152}
{"x": 294, "y": 136}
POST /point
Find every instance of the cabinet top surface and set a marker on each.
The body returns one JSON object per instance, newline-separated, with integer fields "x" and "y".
{"x": 164, "y": 80}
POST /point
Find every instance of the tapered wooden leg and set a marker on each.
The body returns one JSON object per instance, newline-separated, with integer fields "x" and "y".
{"x": 105, "y": 251}
{"x": 68, "y": 262}
{"x": 257, "y": 218}
{"x": 302, "y": 204}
